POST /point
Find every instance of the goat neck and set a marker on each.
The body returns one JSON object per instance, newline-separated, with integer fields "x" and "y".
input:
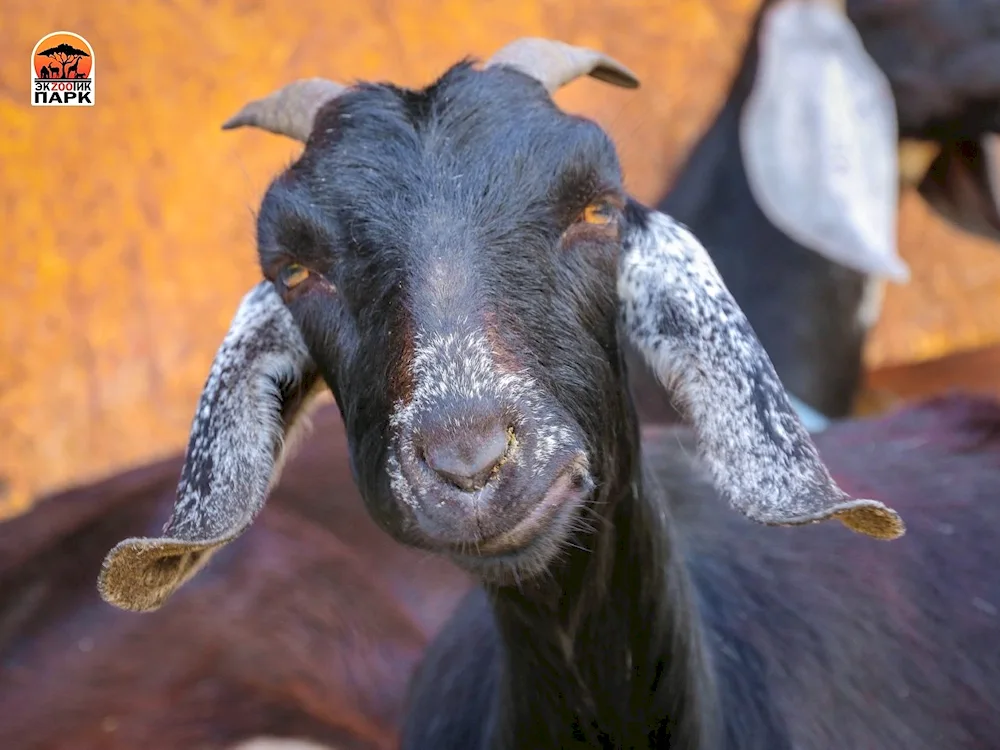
{"x": 616, "y": 623}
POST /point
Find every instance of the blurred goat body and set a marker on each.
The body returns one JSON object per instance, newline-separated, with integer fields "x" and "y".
{"x": 311, "y": 623}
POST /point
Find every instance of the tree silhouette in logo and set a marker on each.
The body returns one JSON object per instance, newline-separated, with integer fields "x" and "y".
{"x": 67, "y": 56}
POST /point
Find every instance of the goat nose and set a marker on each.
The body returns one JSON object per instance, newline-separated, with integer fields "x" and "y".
{"x": 468, "y": 458}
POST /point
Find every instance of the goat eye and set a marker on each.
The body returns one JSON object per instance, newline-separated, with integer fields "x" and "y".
{"x": 293, "y": 274}
{"x": 599, "y": 213}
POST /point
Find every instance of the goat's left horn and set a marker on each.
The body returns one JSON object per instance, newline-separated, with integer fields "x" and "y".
{"x": 554, "y": 64}
{"x": 290, "y": 110}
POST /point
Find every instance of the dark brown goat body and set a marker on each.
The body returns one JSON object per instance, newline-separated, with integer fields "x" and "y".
{"x": 311, "y": 624}
{"x": 864, "y": 645}
{"x": 308, "y": 626}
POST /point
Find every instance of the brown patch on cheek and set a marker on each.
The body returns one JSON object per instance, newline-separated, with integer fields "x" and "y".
{"x": 401, "y": 367}
{"x": 506, "y": 361}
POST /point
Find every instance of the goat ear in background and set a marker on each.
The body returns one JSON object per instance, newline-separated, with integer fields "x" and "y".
{"x": 679, "y": 314}
{"x": 260, "y": 382}
{"x": 819, "y": 136}
{"x": 963, "y": 185}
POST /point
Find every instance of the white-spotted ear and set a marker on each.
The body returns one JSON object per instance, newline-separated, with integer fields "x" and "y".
{"x": 819, "y": 137}
{"x": 963, "y": 185}
{"x": 680, "y": 316}
{"x": 260, "y": 386}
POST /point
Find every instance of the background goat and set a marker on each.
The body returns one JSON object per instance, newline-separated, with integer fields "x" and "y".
{"x": 309, "y": 625}
{"x": 811, "y": 307}
{"x": 457, "y": 287}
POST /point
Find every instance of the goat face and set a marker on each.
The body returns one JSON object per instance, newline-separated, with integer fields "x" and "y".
{"x": 456, "y": 264}
{"x": 458, "y": 249}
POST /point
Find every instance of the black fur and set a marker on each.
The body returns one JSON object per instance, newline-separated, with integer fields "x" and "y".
{"x": 483, "y": 169}
{"x": 632, "y": 636}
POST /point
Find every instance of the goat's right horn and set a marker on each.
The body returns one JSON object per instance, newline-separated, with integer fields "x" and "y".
{"x": 290, "y": 110}
{"x": 554, "y": 64}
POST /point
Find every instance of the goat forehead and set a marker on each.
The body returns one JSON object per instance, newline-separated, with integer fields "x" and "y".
{"x": 438, "y": 217}
{"x": 493, "y": 166}
{"x": 472, "y": 137}
{"x": 447, "y": 197}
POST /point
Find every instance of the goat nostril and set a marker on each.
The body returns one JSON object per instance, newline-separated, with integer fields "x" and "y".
{"x": 468, "y": 459}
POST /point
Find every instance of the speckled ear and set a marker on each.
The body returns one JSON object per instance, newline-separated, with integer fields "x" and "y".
{"x": 819, "y": 138}
{"x": 679, "y": 314}
{"x": 261, "y": 381}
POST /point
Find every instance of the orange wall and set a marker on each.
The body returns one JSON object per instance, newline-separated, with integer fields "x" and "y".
{"x": 126, "y": 229}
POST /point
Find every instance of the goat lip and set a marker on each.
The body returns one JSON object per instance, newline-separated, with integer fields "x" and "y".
{"x": 571, "y": 485}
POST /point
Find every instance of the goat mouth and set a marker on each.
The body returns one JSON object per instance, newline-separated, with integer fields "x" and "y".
{"x": 538, "y": 535}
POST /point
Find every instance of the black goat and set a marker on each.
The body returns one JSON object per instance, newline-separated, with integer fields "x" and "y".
{"x": 812, "y": 312}
{"x": 457, "y": 264}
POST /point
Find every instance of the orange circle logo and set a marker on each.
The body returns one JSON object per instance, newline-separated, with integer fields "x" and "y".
{"x": 62, "y": 70}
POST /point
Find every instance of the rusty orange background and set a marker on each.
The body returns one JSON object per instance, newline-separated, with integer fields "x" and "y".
{"x": 126, "y": 229}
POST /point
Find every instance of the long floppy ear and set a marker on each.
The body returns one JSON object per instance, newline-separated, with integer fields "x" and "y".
{"x": 679, "y": 314}
{"x": 261, "y": 381}
{"x": 818, "y": 135}
{"x": 963, "y": 185}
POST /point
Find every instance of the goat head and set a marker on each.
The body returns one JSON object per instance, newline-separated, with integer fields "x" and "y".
{"x": 663, "y": 292}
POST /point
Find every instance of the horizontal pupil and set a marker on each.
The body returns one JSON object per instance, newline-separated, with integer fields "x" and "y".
{"x": 598, "y": 212}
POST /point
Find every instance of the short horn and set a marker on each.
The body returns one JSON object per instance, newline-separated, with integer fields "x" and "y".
{"x": 288, "y": 111}
{"x": 554, "y": 64}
